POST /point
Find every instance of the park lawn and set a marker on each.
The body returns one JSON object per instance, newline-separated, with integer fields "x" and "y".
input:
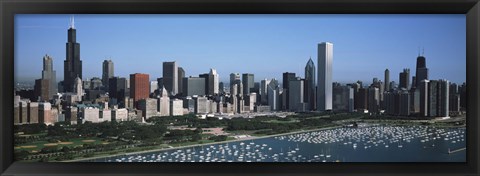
{"x": 38, "y": 145}
{"x": 282, "y": 121}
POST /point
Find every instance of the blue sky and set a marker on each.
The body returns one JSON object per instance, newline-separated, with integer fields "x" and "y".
{"x": 266, "y": 45}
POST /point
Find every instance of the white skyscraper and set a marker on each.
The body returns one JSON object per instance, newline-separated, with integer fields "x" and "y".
{"x": 213, "y": 82}
{"x": 324, "y": 89}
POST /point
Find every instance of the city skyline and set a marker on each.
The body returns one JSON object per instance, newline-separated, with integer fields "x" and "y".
{"x": 437, "y": 60}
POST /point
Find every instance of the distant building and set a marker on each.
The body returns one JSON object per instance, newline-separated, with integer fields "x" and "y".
{"x": 41, "y": 89}
{"x": 139, "y": 87}
{"x": 404, "y": 79}
{"x": 95, "y": 83}
{"x": 181, "y": 75}
{"x": 170, "y": 77}
{"x": 176, "y": 107}
{"x": 286, "y": 78}
{"x": 49, "y": 74}
{"x": 201, "y": 105}
{"x": 213, "y": 80}
{"x": 343, "y": 99}
{"x": 373, "y": 100}
{"x": 387, "y": 80}
{"x": 32, "y": 112}
{"x": 234, "y": 78}
{"x": 107, "y": 72}
{"x": 295, "y": 93}
{"x": 274, "y": 98}
{"x": 118, "y": 90}
{"x": 119, "y": 115}
{"x": 72, "y": 64}
{"x": 324, "y": 88}
{"x": 45, "y": 113}
{"x": 193, "y": 86}
{"x": 248, "y": 82}
{"x": 310, "y": 86}
{"x": 164, "y": 103}
{"x": 422, "y": 70}
{"x": 148, "y": 107}
{"x": 153, "y": 86}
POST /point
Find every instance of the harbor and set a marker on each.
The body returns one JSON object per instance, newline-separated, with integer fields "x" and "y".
{"x": 376, "y": 143}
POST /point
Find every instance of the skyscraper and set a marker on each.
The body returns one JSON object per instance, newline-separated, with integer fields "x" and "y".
{"x": 50, "y": 74}
{"x": 213, "y": 82}
{"x": 296, "y": 94}
{"x": 404, "y": 79}
{"x": 170, "y": 77}
{"x": 248, "y": 82}
{"x": 107, "y": 72}
{"x": 387, "y": 80}
{"x": 287, "y": 77}
{"x": 41, "y": 89}
{"x": 422, "y": 70}
{"x": 324, "y": 84}
{"x": 234, "y": 78}
{"x": 310, "y": 97}
{"x": 72, "y": 64}
{"x": 139, "y": 87}
{"x": 181, "y": 75}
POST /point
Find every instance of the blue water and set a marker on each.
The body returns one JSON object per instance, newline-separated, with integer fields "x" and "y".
{"x": 373, "y": 144}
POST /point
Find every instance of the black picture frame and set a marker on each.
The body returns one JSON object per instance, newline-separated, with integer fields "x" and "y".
{"x": 8, "y": 8}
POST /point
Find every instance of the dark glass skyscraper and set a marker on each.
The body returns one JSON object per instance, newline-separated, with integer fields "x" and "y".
{"x": 170, "y": 77}
{"x": 72, "y": 64}
{"x": 248, "y": 82}
{"x": 422, "y": 70}
{"x": 309, "y": 91}
{"x": 404, "y": 79}
{"x": 387, "y": 80}
{"x": 107, "y": 72}
{"x": 287, "y": 77}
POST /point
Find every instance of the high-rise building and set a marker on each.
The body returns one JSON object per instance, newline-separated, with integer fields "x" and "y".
{"x": 95, "y": 83}
{"x": 324, "y": 84}
{"x": 181, "y": 75}
{"x": 263, "y": 91}
{"x": 72, "y": 63}
{"x": 153, "y": 86}
{"x": 273, "y": 98}
{"x": 170, "y": 77}
{"x": 201, "y": 105}
{"x": 213, "y": 80}
{"x": 422, "y": 70}
{"x": 404, "y": 79}
{"x": 295, "y": 93}
{"x": 286, "y": 78}
{"x": 248, "y": 83}
{"x": 387, "y": 80}
{"x": 78, "y": 89}
{"x": 373, "y": 100}
{"x": 235, "y": 78}
{"x": 45, "y": 113}
{"x": 221, "y": 88}
{"x": 148, "y": 107}
{"x": 310, "y": 85}
{"x": 206, "y": 77}
{"x": 118, "y": 90}
{"x": 164, "y": 103}
{"x": 50, "y": 74}
{"x": 139, "y": 87}
{"x": 343, "y": 99}
{"x": 423, "y": 88}
{"x": 42, "y": 89}
{"x": 176, "y": 107}
{"x": 193, "y": 86}
{"x": 107, "y": 72}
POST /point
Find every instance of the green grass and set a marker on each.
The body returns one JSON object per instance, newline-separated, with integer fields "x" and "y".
{"x": 282, "y": 121}
{"x": 41, "y": 144}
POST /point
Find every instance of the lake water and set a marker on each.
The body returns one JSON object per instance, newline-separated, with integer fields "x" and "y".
{"x": 376, "y": 143}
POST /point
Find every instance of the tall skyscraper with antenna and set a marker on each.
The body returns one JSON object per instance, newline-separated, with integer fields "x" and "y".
{"x": 422, "y": 70}
{"x": 72, "y": 64}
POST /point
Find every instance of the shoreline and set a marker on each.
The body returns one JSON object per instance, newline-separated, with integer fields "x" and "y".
{"x": 196, "y": 145}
